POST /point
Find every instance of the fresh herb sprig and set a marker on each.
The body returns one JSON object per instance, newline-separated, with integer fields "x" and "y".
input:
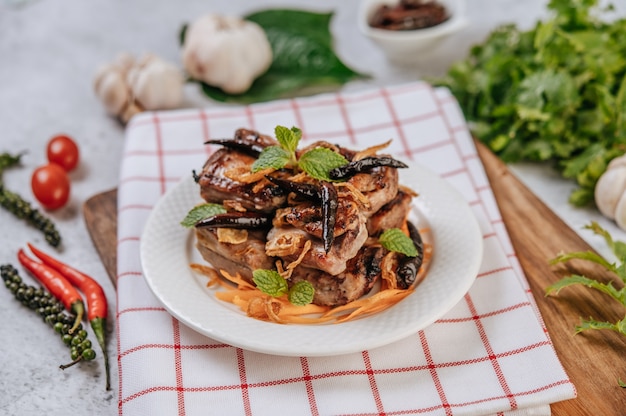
{"x": 554, "y": 93}
{"x": 200, "y": 212}
{"x": 317, "y": 162}
{"x": 619, "y": 269}
{"x": 619, "y": 249}
{"x": 393, "y": 239}
{"x": 272, "y": 283}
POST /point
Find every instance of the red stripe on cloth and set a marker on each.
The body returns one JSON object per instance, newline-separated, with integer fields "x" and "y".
{"x": 432, "y": 368}
{"x": 245, "y": 393}
{"x": 346, "y": 120}
{"x": 486, "y": 315}
{"x": 159, "y": 151}
{"x": 250, "y": 116}
{"x": 396, "y": 123}
{"x": 490, "y": 352}
{"x": 180, "y": 394}
{"x": 310, "y": 392}
{"x": 372, "y": 380}
{"x": 298, "y": 116}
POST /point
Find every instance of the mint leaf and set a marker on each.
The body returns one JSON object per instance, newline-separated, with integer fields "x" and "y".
{"x": 270, "y": 282}
{"x": 320, "y": 161}
{"x": 288, "y": 138}
{"x": 301, "y": 293}
{"x": 271, "y": 157}
{"x": 394, "y": 239}
{"x": 200, "y": 212}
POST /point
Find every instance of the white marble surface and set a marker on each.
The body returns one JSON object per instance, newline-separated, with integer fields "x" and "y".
{"x": 49, "y": 51}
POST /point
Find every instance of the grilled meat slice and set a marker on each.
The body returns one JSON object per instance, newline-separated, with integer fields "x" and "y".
{"x": 380, "y": 185}
{"x": 288, "y": 242}
{"x": 362, "y": 271}
{"x": 308, "y": 217}
{"x": 216, "y": 187}
{"x": 245, "y": 257}
{"x": 390, "y": 215}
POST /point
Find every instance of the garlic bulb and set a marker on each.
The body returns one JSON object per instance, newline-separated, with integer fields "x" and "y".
{"x": 226, "y": 52}
{"x": 128, "y": 86}
{"x": 610, "y": 192}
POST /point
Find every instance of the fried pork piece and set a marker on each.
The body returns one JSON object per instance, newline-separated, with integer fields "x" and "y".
{"x": 362, "y": 271}
{"x": 288, "y": 243}
{"x": 307, "y": 217}
{"x": 240, "y": 258}
{"x": 391, "y": 215}
{"x": 216, "y": 186}
{"x": 380, "y": 185}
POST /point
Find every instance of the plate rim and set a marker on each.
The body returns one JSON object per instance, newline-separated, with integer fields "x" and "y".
{"x": 176, "y": 307}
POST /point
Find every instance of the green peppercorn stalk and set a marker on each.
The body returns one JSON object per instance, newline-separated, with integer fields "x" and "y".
{"x": 23, "y": 209}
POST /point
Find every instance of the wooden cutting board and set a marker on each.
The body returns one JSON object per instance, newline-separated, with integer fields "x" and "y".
{"x": 594, "y": 360}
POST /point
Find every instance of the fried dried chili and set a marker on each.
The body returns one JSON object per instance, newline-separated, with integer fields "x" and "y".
{"x": 56, "y": 284}
{"x": 241, "y": 220}
{"x": 410, "y": 266}
{"x": 325, "y": 193}
{"x": 242, "y": 144}
{"x": 330, "y": 202}
{"x": 97, "y": 308}
{"x": 364, "y": 165}
{"x": 306, "y": 190}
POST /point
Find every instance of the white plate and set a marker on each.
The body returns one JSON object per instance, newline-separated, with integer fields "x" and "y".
{"x": 167, "y": 249}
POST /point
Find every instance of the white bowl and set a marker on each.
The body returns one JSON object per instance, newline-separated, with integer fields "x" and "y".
{"x": 404, "y": 46}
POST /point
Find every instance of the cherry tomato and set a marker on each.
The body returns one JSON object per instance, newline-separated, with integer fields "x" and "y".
{"x": 51, "y": 186}
{"x": 63, "y": 151}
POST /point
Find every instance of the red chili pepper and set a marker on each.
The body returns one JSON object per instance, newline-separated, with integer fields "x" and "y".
{"x": 96, "y": 299}
{"x": 57, "y": 285}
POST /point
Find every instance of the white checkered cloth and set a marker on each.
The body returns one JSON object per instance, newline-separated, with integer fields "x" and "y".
{"x": 490, "y": 354}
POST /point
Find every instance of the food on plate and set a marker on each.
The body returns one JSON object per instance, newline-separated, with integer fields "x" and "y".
{"x": 51, "y": 186}
{"x": 409, "y": 15}
{"x": 128, "y": 86}
{"x": 226, "y": 52}
{"x": 321, "y": 224}
{"x": 21, "y": 208}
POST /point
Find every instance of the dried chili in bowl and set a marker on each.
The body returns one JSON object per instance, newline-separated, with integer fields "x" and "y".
{"x": 409, "y": 15}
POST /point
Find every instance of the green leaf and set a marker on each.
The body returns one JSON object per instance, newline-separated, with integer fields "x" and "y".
{"x": 320, "y": 161}
{"x": 593, "y": 324}
{"x": 584, "y": 255}
{"x": 270, "y": 282}
{"x": 288, "y": 138}
{"x": 591, "y": 283}
{"x": 200, "y": 212}
{"x": 394, "y": 239}
{"x": 271, "y": 157}
{"x": 621, "y": 383}
{"x": 301, "y": 293}
{"x": 304, "y": 61}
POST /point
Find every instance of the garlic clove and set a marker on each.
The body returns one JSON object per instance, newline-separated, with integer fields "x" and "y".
{"x": 156, "y": 84}
{"x": 609, "y": 190}
{"x": 617, "y": 162}
{"x": 110, "y": 87}
{"x": 620, "y": 212}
